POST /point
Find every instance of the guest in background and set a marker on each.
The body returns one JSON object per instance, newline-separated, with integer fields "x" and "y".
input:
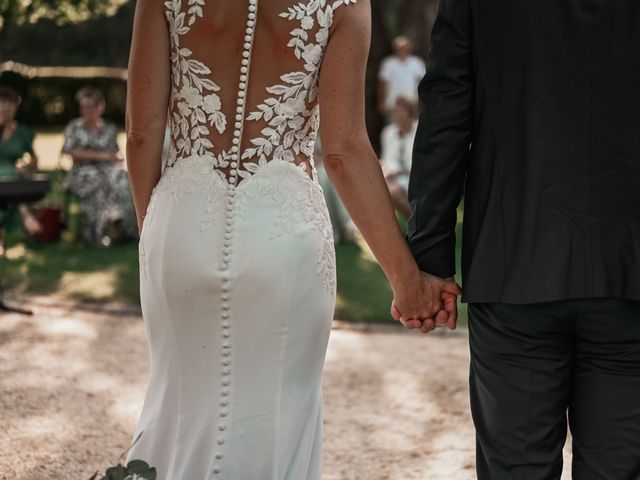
{"x": 397, "y": 147}
{"x": 16, "y": 143}
{"x": 343, "y": 227}
{"x": 97, "y": 177}
{"x": 399, "y": 76}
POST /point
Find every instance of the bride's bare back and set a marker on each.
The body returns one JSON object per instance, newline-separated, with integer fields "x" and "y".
{"x": 245, "y": 78}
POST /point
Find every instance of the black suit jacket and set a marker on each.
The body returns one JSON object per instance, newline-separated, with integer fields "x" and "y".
{"x": 532, "y": 108}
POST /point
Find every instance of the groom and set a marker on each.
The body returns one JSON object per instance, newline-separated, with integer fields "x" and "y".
{"x": 532, "y": 109}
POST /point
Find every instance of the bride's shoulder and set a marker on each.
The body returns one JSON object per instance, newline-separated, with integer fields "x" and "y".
{"x": 151, "y": 4}
{"x": 146, "y": 9}
{"x": 350, "y": 14}
{"x": 346, "y": 8}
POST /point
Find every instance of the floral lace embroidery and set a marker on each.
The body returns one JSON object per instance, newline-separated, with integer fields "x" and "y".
{"x": 298, "y": 206}
{"x": 196, "y": 174}
{"x": 314, "y": 214}
{"x": 195, "y": 107}
{"x": 292, "y": 112}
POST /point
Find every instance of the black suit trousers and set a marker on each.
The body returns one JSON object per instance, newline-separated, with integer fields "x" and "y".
{"x": 536, "y": 366}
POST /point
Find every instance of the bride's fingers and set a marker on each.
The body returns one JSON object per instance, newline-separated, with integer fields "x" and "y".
{"x": 451, "y": 308}
{"x": 434, "y": 306}
{"x": 441, "y": 318}
{"x": 452, "y": 322}
{"x": 427, "y": 325}
{"x": 395, "y": 313}
{"x": 452, "y": 288}
{"x": 411, "y": 323}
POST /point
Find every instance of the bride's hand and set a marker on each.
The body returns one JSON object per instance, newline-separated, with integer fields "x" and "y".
{"x": 412, "y": 323}
{"x": 425, "y": 301}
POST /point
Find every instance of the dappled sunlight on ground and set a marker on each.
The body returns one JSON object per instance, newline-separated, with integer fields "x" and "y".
{"x": 97, "y": 285}
{"x": 395, "y": 397}
{"x": 73, "y": 378}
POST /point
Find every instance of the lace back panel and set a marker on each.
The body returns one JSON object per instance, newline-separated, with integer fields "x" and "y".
{"x": 245, "y": 81}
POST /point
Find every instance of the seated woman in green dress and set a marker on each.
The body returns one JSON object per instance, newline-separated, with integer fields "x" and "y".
{"x": 97, "y": 177}
{"x": 16, "y": 141}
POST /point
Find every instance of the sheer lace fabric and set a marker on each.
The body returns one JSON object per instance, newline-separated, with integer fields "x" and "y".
{"x": 282, "y": 114}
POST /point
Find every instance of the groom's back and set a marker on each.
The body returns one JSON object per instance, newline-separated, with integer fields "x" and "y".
{"x": 562, "y": 60}
{"x": 553, "y": 198}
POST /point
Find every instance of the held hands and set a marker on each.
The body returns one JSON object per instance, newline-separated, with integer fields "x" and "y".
{"x": 426, "y": 302}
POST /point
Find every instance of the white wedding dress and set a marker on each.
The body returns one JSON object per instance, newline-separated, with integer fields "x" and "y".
{"x": 237, "y": 263}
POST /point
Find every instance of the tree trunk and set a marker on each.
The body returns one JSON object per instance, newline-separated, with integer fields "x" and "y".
{"x": 415, "y": 19}
{"x": 380, "y": 48}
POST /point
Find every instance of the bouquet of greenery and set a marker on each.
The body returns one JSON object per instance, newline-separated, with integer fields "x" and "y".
{"x": 134, "y": 470}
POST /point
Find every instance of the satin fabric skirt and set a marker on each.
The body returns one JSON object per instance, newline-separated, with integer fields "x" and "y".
{"x": 237, "y": 292}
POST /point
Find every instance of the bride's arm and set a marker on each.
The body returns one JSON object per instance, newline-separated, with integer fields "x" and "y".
{"x": 147, "y": 100}
{"x": 355, "y": 170}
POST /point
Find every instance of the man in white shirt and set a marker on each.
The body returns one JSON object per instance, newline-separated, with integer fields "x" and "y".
{"x": 399, "y": 76}
{"x": 397, "y": 146}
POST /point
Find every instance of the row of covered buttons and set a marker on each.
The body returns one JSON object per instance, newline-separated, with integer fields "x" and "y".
{"x": 242, "y": 90}
{"x": 226, "y": 253}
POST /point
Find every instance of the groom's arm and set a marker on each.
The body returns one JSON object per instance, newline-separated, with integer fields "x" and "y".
{"x": 441, "y": 147}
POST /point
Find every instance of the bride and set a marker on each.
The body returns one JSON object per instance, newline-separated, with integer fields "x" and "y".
{"x": 237, "y": 265}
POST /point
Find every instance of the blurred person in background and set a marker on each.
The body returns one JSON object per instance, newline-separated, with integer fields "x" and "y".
{"x": 397, "y": 146}
{"x": 399, "y": 76}
{"x": 343, "y": 227}
{"x": 97, "y": 177}
{"x": 16, "y": 141}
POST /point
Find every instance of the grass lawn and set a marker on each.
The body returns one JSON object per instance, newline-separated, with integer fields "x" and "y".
{"x": 85, "y": 273}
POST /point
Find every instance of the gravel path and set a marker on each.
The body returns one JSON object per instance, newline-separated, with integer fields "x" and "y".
{"x": 72, "y": 380}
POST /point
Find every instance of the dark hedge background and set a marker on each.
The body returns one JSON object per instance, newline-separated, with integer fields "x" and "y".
{"x": 104, "y": 40}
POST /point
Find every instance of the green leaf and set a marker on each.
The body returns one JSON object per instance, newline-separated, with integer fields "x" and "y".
{"x": 137, "y": 466}
{"x": 142, "y": 469}
{"x": 118, "y": 472}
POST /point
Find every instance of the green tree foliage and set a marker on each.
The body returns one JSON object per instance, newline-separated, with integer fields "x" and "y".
{"x": 98, "y": 32}
{"x": 101, "y": 39}
{"x": 18, "y": 12}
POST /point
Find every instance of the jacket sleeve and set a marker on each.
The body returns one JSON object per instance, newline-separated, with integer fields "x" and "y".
{"x": 441, "y": 147}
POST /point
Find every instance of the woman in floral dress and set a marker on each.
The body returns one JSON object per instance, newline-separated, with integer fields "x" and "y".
{"x": 97, "y": 177}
